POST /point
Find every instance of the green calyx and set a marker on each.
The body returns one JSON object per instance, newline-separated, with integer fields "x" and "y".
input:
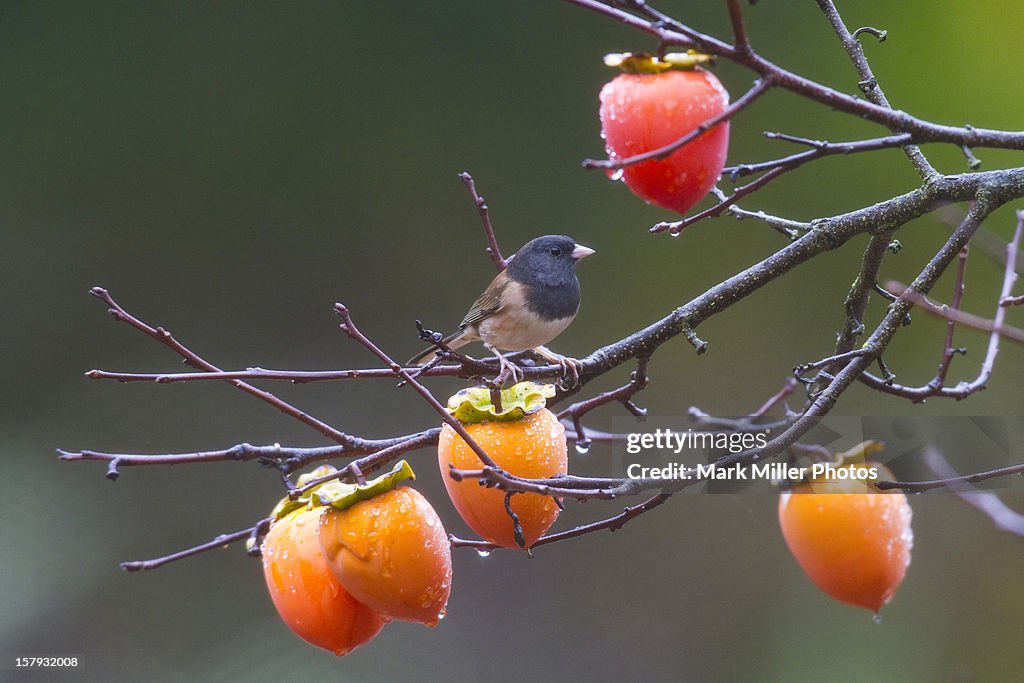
{"x": 473, "y": 405}
{"x": 341, "y": 495}
{"x": 644, "y": 63}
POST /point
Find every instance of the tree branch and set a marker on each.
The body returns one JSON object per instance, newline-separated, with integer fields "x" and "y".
{"x": 868, "y": 83}
{"x": 613, "y": 523}
{"x": 987, "y": 502}
{"x": 741, "y": 42}
{"x": 818, "y": 150}
{"x": 949, "y": 481}
{"x": 165, "y": 338}
{"x": 349, "y": 328}
{"x": 637, "y": 382}
{"x": 485, "y": 218}
{"x": 995, "y": 326}
{"x": 671, "y": 32}
{"x": 254, "y": 532}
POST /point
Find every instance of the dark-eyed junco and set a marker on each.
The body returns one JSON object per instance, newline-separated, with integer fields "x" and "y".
{"x": 526, "y": 305}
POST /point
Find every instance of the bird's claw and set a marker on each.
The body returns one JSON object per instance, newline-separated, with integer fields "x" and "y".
{"x": 509, "y": 370}
{"x": 571, "y": 369}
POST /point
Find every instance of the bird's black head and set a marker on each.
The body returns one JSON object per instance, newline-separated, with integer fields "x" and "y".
{"x": 549, "y": 260}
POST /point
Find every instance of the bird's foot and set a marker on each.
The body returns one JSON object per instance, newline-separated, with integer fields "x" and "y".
{"x": 509, "y": 370}
{"x": 571, "y": 367}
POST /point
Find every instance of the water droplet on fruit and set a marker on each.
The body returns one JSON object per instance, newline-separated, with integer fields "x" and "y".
{"x": 617, "y": 174}
{"x": 483, "y": 553}
{"x": 877, "y": 618}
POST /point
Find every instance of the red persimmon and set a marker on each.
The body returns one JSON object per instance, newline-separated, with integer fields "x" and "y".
{"x": 643, "y": 111}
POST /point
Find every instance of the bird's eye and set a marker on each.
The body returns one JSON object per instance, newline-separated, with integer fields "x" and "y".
{"x": 555, "y": 251}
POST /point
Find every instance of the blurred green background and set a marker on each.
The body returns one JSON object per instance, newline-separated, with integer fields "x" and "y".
{"x": 229, "y": 170}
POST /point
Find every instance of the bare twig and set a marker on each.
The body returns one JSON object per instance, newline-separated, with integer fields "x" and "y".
{"x": 349, "y": 328}
{"x": 988, "y": 502}
{"x": 775, "y": 168}
{"x": 467, "y": 368}
{"x": 676, "y": 227}
{"x": 637, "y": 382}
{"x": 751, "y": 422}
{"x": 953, "y": 314}
{"x": 165, "y": 338}
{"x": 221, "y": 541}
{"x": 948, "y": 350}
{"x": 868, "y": 83}
{"x": 375, "y": 460}
{"x": 613, "y": 523}
{"x": 856, "y": 305}
{"x": 485, "y": 218}
{"x": 741, "y": 42}
{"x": 789, "y": 228}
{"x": 996, "y": 325}
{"x": 921, "y": 486}
{"x": 818, "y": 150}
{"x": 671, "y": 32}
{"x": 787, "y": 388}
{"x": 284, "y": 458}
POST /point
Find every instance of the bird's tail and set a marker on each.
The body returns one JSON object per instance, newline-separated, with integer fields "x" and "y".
{"x": 453, "y": 341}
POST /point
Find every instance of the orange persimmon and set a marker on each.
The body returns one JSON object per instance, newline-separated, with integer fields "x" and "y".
{"x": 309, "y": 599}
{"x": 389, "y": 549}
{"x": 524, "y": 439}
{"x": 852, "y": 540}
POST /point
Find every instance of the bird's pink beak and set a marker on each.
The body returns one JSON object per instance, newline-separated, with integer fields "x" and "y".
{"x": 581, "y": 252}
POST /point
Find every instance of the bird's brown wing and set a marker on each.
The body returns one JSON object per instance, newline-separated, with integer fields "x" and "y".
{"x": 488, "y": 303}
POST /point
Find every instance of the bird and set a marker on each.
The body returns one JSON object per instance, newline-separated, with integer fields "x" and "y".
{"x": 526, "y": 305}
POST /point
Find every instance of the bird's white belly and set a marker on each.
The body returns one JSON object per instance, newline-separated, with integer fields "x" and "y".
{"x": 521, "y": 331}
